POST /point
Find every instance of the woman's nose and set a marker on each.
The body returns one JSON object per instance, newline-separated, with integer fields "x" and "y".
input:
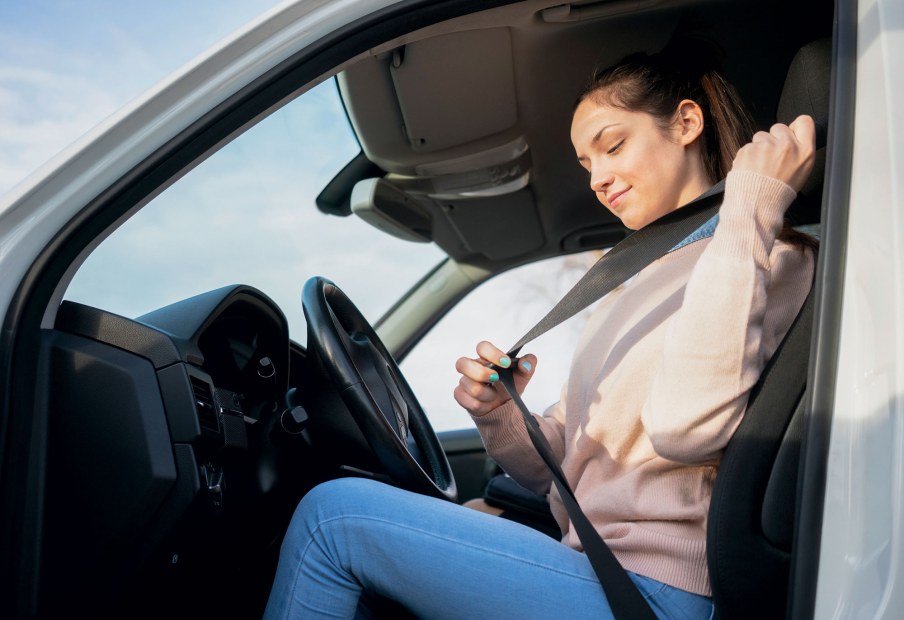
{"x": 600, "y": 180}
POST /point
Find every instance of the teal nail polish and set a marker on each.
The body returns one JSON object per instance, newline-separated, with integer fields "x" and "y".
{"x": 494, "y": 377}
{"x": 526, "y": 366}
{"x": 505, "y": 362}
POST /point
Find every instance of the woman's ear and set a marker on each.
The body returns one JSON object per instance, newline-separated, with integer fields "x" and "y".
{"x": 689, "y": 121}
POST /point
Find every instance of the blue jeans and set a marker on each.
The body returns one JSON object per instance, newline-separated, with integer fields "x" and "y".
{"x": 354, "y": 537}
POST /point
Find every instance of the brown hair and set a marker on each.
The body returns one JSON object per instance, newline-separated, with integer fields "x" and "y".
{"x": 657, "y": 83}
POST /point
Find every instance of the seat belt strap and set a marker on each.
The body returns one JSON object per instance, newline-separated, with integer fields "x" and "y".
{"x": 628, "y": 257}
{"x": 625, "y": 600}
{"x": 619, "y": 264}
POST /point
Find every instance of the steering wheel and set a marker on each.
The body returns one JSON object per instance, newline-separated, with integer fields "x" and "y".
{"x": 374, "y": 391}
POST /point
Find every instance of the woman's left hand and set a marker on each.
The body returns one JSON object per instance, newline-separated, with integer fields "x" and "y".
{"x": 785, "y": 153}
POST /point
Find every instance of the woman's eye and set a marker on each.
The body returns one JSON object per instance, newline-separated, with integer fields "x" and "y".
{"x": 615, "y": 148}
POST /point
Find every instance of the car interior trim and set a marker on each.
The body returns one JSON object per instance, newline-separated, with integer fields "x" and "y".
{"x": 827, "y": 324}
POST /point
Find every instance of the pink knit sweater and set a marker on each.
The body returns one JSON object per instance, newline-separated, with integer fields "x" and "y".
{"x": 659, "y": 382}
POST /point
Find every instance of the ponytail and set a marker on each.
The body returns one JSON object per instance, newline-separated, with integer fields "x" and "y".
{"x": 732, "y": 125}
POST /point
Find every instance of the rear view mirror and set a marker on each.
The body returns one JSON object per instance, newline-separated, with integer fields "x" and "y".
{"x": 388, "y": 208}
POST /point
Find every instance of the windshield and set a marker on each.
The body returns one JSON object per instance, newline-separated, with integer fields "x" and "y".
{"x": 247, "y": 215}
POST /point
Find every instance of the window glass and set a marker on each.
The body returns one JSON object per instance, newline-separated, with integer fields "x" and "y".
{"x": 247, "y": 215}
{"x": 500, "y": 311}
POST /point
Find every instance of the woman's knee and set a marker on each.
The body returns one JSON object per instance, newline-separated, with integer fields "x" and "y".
{"x": 337, "y": 498}
{"x": 328, "y": 502}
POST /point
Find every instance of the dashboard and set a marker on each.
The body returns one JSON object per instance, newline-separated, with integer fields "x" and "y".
{"x": 173, "y": 422}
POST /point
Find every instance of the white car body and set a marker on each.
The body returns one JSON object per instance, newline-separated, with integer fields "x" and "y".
{"x": 862, "y": 547}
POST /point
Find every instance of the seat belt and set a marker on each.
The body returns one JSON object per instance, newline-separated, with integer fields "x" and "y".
{"x": 620, "y": 263}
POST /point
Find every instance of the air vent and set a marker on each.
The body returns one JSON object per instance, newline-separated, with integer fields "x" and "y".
{"x": 207, "y": 413}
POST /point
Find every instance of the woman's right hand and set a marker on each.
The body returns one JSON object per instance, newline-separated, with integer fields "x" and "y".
{"x": 785, "y": 152}
{"x": 477, "y": 390}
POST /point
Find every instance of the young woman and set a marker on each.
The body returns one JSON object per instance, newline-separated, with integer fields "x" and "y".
{"x": 658, "y": 384}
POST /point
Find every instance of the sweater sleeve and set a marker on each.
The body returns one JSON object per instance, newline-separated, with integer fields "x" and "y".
{"x": 740, "y": 300}
{"x": 507, "y": 442}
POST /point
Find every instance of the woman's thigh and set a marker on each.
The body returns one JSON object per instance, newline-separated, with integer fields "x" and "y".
{"x": 437, "y": 559}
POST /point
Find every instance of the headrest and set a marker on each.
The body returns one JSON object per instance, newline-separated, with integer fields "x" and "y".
{"x": 806, "y": 91}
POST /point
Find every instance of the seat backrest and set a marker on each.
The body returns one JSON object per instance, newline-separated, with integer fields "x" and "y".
{"x": 751, "y": 516}
{"x": 806, "y": 91}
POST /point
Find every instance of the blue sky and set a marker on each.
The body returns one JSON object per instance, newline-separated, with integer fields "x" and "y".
{"x": 67, "y": 64}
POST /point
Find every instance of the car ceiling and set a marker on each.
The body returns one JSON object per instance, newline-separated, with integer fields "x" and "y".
{"x": 483, "y": 103}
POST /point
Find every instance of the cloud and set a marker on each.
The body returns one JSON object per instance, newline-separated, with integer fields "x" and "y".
{"x": 66, "y": 66}
{"x": 41, "y": 112}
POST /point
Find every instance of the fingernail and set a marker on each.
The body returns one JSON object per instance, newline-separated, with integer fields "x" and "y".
{"x": 504, "y": 361}
{"x": 526, "y": 366}
{"x": 494, "y": 377}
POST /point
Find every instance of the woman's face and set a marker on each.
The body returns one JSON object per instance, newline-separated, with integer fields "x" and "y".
{"x": 639, "y": 170}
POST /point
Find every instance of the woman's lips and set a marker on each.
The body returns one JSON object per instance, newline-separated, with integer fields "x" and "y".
{"x": 615, "y": 198}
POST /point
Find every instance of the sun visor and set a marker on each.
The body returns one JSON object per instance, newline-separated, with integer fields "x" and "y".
{"x": 471, "y": 92}
{"x": 440, "y": 117}
{"x": 434, "y": 100}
